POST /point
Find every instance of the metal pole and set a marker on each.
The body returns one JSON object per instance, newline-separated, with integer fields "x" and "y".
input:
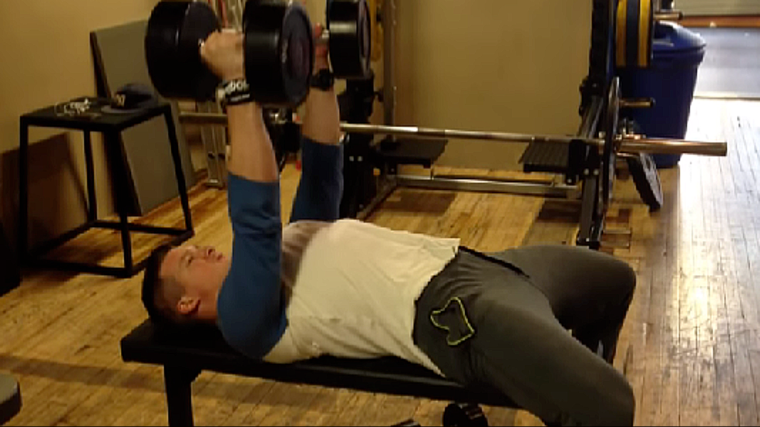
{"x": 461, "y": 134}
{"x": 628, "y": 143}
{"x": 673, "y": 146}
{"x": 389, "y": 70}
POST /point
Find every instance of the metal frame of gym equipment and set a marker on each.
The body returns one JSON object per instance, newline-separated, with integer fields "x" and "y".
{"x": 214, "y": 138}
{"x": 583, "y": 164}
{"x": 547, "y": 188}
{"x": 580, "y": 163}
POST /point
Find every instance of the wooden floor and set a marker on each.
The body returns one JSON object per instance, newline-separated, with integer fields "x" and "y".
{"x": 690, "y": 345}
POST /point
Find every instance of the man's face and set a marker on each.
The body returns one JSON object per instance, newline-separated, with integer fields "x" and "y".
{"x": 199, "y": 272}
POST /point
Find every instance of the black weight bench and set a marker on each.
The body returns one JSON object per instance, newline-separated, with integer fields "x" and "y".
{"x": 185, "y": 354}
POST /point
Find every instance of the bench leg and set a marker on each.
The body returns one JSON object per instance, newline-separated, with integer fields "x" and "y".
{"x": 179, "y": 399}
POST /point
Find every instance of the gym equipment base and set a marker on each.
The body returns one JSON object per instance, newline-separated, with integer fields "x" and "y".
{"x": 184, "y": 354}
{"x": 548, "y": 188}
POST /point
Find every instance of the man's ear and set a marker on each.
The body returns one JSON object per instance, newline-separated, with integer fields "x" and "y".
{"x": 188, "y": 305}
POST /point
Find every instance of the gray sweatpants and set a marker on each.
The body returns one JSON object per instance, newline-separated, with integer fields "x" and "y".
{"x": 504, "y": 320}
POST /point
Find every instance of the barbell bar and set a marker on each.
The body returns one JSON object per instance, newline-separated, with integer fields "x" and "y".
{"x": 629, "y": 143}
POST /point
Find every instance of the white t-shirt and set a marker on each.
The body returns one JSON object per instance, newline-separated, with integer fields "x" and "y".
{"x": 352, "y": 289}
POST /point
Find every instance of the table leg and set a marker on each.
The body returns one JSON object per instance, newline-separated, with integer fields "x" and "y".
{"x": 126, "y": 241}
{"x": 182, "y": 186}
{"x": 92, "y": 212}
{"x": 23, "y": 202}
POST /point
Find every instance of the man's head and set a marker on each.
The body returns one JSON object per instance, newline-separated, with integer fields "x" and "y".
{"x": 182, "y": 283}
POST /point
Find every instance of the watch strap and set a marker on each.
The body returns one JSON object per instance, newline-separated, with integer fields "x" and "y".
{"x": 324, "y": 79}
{"x": 235, "y": 92}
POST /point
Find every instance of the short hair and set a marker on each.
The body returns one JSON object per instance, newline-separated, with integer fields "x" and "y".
{"x": 160, "y": 296}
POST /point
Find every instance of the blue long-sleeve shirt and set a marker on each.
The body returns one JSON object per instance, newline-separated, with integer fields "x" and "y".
{"x": 251, "y": 307}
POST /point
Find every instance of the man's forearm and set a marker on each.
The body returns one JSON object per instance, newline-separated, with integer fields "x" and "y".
{"x": 321, "y": 121}
{"x": 252, "y": 155}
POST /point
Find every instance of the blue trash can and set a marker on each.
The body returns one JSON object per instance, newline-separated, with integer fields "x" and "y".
{"x": 670, "y": 81}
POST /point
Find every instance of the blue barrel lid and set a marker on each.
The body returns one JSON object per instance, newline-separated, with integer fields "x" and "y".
{"x": 673, "y": 39}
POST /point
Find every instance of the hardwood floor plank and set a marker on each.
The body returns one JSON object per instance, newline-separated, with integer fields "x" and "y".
{"x": 249, "y": 402}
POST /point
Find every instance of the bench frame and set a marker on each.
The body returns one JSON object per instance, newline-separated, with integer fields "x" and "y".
{"x": 184, "y": 357}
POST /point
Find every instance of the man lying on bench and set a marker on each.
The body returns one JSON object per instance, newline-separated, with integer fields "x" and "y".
{"x": 349, "y": 289}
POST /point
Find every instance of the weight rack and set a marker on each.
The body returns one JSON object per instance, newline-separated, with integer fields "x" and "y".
{"x": 576, "y": 161}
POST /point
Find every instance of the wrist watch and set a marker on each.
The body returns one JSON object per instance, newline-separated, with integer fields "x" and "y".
{"x": 323, "y": 80}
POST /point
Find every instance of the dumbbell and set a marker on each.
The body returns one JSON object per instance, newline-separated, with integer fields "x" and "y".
{"x": 278, "y": 48}
{"x": 349, "y": 35}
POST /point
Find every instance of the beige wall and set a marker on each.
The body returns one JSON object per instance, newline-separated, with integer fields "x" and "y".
{"x": 501, "y": 65}
{"x": 47, "y": 59}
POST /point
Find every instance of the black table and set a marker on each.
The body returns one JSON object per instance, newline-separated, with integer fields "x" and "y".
{"x": 110, "y": 125}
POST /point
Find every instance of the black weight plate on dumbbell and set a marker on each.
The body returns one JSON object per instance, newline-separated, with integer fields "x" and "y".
{"x": 350, "y": 38}
{"x": 279, "y": 52}
{"x": 172, "y": 42}
{"x": 647, "y": 179}
{"x": 609, "y": 156}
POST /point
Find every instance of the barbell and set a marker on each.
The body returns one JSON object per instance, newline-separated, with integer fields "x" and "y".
{"x": 628, "y": 143}
{"x": 615, "y": 138}
{"x": 278, "y": 48}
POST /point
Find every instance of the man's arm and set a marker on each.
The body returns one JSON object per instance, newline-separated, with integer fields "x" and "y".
{"x": 321, "y": 186}
{"x": 321, "y": 122}
{"x": 252, "y": 155}
{"x": 251, "y": 314}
